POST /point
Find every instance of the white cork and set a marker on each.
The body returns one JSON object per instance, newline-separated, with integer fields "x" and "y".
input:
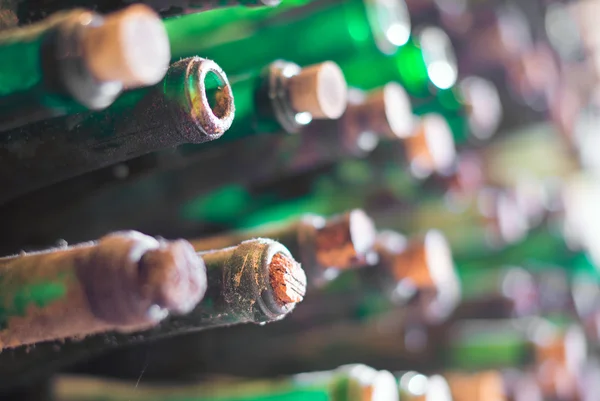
{"x": 130, "y": 47}
{"x": 320, "y": 90}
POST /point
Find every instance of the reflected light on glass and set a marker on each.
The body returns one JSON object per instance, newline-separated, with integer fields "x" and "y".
{"x": 303, "y": 118}
{"x": 417, "y": 384}
{"x": 367, "y": 141}
{"x": 442, "y": 74}
{"x": 398, "y": 34}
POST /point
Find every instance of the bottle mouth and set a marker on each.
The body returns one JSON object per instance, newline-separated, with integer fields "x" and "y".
{"x": 212, "y": 99}
{"x": 283, "y": 275}
{"x": 390, "y": 23}
{"x": 439, "y": 57}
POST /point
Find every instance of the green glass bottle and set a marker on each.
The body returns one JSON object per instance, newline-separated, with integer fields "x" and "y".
{"x": 193, "y": 104}
{"x": 38, "y": 81}
{"x": 283, "y": 97}
{"x": 497, "y": 293}
{"x": 485, "y": 344}
{"x": 425, "y": 64}
{"x": 541, "y": 248}
{"x": 347, "y": 383}
{"x": 318, "y": 31}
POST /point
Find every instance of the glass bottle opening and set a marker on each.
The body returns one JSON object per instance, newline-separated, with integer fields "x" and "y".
{"x": 213, "y": 88}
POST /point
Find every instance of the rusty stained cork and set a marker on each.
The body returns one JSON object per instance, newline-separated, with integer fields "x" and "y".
{"x": 125, "y": 282}
{"x": 565, "y": 347}
{"x": 287, "y": 279}
{"x": 481, "y": 386}
{"x": 410, "y": 263}
{"x": 344, "y": 241}
{"x": 385, "y": 112}
{"x": 431, "y": 148}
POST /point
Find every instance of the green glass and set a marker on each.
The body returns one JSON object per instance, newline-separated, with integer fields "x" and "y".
{"x": 450, "y": 104}
{"x": 541, "y": 248}
{"x": 477, "y": 345}
{"x": 342, "y": 384}
{"x": 307, "y": 34}
{"x": 481, "y": 282}
{"x": 346, "y": 188}
{"x": 256, "y": 111}
{"x": 354, "y": 184}
{"x": 23, "y": 77}
{"x": 424, "y": 65}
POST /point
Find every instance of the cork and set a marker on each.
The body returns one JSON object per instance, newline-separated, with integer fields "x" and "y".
{"x": 425, "y": 265}
{"x": 287, "y": 279}
{"x": 425, "y": 261}
{"x": 320, "y": 90}
{"x": 344, "y": 241}
{"x": 368, "y": 384}
{"x": 386, "y": 112}
{"x": 130, "y": 47}
{"x": 431, "y": 148}
{"x": 482, "y": 386}
{"x": 437, "y": 389}
{"x": 567, "y": 349}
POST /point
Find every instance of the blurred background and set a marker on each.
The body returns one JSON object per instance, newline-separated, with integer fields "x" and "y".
{"x": 345, "y": 200}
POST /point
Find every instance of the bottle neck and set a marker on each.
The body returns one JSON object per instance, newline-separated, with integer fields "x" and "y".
{"x": 273, "y": 100}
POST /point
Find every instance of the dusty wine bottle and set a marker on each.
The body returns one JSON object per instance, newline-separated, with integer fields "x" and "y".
{"x": 193, "y": 104}
{"x": 126, "y": 282}
{"x": 257, "y": 281}
{"x": 78, "y": 60}
{"x": 354, "y": 305}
